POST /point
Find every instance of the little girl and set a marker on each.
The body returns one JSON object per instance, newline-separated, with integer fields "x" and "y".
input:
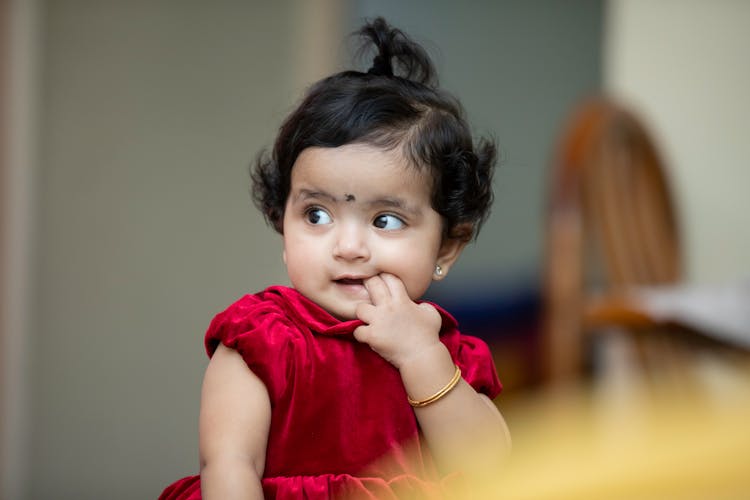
{"x": 346, "y": 385}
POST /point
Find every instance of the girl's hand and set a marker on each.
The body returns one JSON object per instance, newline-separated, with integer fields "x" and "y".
{"x": 396, "y": 327}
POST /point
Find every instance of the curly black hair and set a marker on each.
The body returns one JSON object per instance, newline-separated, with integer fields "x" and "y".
{"x": 389, "y": 106}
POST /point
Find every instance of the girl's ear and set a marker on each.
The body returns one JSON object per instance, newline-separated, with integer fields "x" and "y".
{"x": 283, "y": 256}
{"x": 451, "y": 249}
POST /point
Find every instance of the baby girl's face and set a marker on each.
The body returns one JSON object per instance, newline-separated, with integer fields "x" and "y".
{"x": 354, "y": 212}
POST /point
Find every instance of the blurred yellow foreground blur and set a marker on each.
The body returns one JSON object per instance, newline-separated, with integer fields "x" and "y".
{"x": 636, "y": 441}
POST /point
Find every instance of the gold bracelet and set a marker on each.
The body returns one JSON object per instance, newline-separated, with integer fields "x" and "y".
{"x": 439, "y": 394}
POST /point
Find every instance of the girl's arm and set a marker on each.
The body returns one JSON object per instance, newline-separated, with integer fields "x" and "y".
{"x": 234, "y": 419}
{"x": 463, "y": 429}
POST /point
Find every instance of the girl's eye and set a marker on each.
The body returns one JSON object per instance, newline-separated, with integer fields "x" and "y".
{"x": 318, "y": 216}
{"x": 388, "y": 222}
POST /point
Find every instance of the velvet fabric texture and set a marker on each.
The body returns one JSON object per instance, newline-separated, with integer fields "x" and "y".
{"x": 341, "y": 425}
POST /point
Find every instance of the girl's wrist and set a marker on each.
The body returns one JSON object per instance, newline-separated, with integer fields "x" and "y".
{"x": 427, "y": 371}
{"x": 421, "y": 355}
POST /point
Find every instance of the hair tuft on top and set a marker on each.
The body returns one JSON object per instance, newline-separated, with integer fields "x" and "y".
{"x": 393, "y": 44}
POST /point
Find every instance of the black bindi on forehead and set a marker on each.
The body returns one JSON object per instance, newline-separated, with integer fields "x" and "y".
{"x": 349, "y": 197}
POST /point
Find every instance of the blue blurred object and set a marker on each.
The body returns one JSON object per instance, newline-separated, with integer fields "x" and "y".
{"x": 493, "y": 313}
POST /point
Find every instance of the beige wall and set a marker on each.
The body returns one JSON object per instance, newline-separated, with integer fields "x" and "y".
{"x": 684, "y": 64}
{"x": 19, "y": 152}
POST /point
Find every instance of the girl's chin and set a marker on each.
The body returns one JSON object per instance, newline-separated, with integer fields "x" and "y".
{"x": 348, "y": 312}
{"x": 343, "y": 315}
{"x": 353, "y": 291}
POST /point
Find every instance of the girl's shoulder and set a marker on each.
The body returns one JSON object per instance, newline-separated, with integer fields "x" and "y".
{"x": 276, "y": 315}
{"x": 252, "y": 314}
{"x": 251, "y": 306}
{"x": 266, "y": 331}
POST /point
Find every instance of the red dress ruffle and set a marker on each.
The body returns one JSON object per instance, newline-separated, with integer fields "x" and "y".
{"x": 341, "y": 426}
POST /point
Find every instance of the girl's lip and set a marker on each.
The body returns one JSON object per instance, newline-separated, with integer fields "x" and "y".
{"x": 350, "y": 281}
{"x": 352, "y": 287}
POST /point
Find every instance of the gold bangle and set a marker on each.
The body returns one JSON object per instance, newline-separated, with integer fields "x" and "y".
{"x": 439, "y": 394}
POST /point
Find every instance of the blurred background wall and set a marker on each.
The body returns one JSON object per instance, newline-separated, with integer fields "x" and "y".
{"x": 127, "y": 219}
{"x": 683, "y": 65}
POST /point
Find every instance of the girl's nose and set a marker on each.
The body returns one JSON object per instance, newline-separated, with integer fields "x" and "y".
{"x": 351, "y": 243}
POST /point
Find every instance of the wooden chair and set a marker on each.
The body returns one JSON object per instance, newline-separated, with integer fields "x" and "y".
{"x": 611, "y": 226}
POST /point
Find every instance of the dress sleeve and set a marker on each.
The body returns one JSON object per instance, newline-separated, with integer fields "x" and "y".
{"x": 263, "y": 335}
{"x": 477, "y": 367}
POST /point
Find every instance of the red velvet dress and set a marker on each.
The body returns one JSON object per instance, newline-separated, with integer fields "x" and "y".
{"x": 341, "y": 426}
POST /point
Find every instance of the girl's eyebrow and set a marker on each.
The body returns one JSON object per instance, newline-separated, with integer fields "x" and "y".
{"x": 306, "y": 194}
{"x": 395, "y": 203}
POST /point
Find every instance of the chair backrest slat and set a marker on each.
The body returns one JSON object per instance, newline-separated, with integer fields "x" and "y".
{"x": 609, "y": 194}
